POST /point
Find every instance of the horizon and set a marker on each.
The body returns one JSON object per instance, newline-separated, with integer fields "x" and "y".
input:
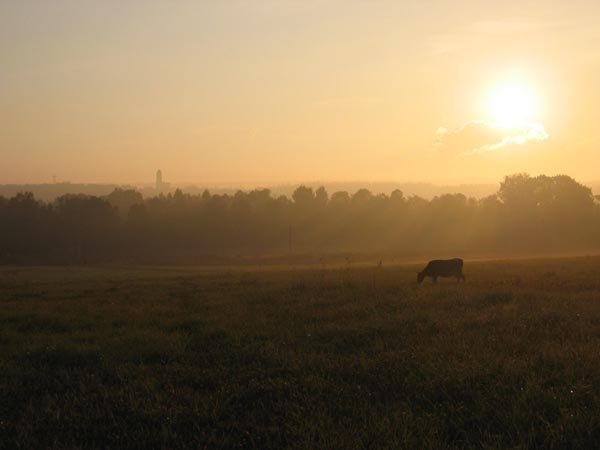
{"x": 251, "y": 184}
{"x": 50, "y": 192}
{"x": 263, "y": 183}
{"x": 297, "y": 182}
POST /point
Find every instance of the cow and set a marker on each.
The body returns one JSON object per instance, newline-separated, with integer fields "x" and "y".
{"x": 442, "y": 268}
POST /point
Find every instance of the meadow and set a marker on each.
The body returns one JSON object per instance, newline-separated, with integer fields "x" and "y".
{"x": 315, "y": 357}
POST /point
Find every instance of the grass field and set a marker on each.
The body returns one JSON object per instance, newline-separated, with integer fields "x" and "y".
{"x": 323, "y": 357}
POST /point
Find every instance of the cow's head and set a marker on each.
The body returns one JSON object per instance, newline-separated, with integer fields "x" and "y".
{"x": 420, "y": 277}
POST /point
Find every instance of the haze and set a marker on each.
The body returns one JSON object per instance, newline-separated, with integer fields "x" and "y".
{"x": 284, "y": 91}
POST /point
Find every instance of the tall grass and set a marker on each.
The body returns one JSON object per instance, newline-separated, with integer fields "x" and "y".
{"x": 324, "y": 357}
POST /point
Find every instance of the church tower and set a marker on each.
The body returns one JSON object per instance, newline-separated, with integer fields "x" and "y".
{"x": 159, "y": 180}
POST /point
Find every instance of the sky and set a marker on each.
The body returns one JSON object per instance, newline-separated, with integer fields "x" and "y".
{"x": 288, "y": 91}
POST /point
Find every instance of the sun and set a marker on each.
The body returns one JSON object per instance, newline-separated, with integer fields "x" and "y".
{"x": 512, "y": 106}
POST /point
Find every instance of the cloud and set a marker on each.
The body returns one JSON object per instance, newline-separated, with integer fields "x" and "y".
{"x": 481, "y": 137}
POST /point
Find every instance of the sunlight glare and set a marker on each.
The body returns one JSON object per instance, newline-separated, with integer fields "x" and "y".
{"x": 512, "y": 106}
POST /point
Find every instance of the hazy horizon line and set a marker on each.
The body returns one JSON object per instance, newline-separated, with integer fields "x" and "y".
{"x": 263, "y": 183}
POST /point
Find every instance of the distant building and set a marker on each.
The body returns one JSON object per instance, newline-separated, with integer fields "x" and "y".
{"x": 159, "y": 180}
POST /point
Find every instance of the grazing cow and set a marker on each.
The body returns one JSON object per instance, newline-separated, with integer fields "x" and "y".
{"x": 442, "y": 268}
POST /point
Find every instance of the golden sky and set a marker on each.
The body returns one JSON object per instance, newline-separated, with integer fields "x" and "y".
{"x": 288, "y": 91}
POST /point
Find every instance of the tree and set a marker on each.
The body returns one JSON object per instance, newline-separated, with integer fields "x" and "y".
{"x": 124, "y": 199}
{"x": 89, "y": 225}
{"x": 321, "y": 197}
{"x": 303, "y": 197}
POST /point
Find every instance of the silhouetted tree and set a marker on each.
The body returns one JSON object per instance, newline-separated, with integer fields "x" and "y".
{"x": 528, "y": 214}
{"x": 88, "y": 226}
{"x": 124, "y": 199}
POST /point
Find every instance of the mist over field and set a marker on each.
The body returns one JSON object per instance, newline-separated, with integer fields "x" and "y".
{"x": 51, "y": 191}
{"x": 527, "y": 216}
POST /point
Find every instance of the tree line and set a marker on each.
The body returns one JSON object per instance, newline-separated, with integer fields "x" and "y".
{"x": 527, "y": 215}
